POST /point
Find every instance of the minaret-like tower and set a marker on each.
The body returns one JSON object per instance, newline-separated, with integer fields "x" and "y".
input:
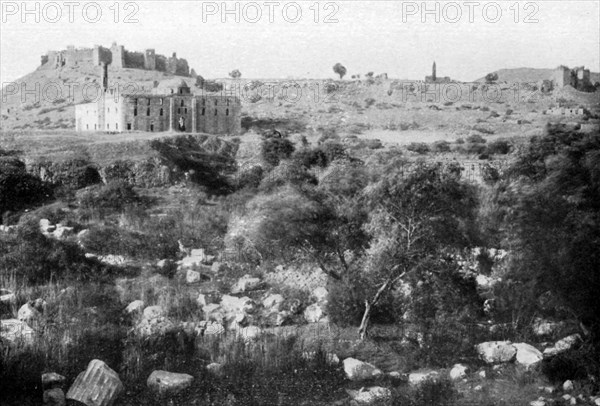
{"x": 433, "y": 76}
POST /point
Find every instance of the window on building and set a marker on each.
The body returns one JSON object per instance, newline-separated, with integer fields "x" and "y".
{"x": 161, "y": 101}
{"x": 179, "y": 110}
{"x": 148, "y": 101}
{"x": 135, "y": 112}
{"x": 204, "y": 102}
{"x": 95, "y": 128}
{"x": 216, "y": 111}
{"x": 107, "y": 126}
{"x": 135, "y": 101}
{"x": 148, "y": 111}
{"x": 182, "y": 103}
{"x": 227, "y": 112}
{"x": 180, "y": 91}
{"x": 129, "y": 126}
{"x": 203, "y": 111}
{"x": 87, "y": 126}
{"x": 151, "y": 127}
{"x": 161, "y": 112}
{"x": 216, "y": 102}
{"x": 185, "y": 111}
{"x": 228, "y": 102}
{"x": 116, "y": 126}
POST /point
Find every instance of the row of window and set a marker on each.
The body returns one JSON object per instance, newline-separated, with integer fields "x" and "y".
{"x": 185, "y": 111}
{"x": 161, "y": 101}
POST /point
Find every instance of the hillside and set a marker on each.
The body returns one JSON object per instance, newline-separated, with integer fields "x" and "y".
{"x": 50, "y": 107}
{"x": 520, "y": 75}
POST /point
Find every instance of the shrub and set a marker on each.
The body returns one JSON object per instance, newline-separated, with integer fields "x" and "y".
{"x": 435, "y": 392}
{"x": 418, "y": 147}
{"x": 273, "y": 150}
{"x": 115, "y": 195}
{"x": 476, "y": 139}
{"x": 369, "y": 102}
{"x": 250, "y": 177}
{"x": 501, "y": 147}
{"x": 441, "y": 146}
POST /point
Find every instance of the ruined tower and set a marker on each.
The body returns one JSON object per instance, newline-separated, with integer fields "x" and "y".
{"x": 433, "y": 73}
{"x": 150, "y": 59}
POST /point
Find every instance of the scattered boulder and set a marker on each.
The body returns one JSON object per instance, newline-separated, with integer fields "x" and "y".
{"x": 568, "y": 386}
{"x": 98, "y": 385}
{"x": 153, "y": 321}
{"x": 543, "y": 327}
{"x": 46, "y": 227}
{"x": 415, "y": 378}
{"x": 168, "y": 383}
{"x": 458, "y": 371}
{"x": 496, "y": 351}
{"x": 245, "y": 284}
{"x": 62, "y": 232}
{"x": 166, "y": 266}
{"x": 527, "y": 355}
{"x": 320, "y": 294}
{"x": 314, "y": 313}
{"x": 563, "y": 345}
{"x": 273, "y": 302}
{"x": 537, "y": 403}
{"x": 54, "y": 397}
{"x": 153, "y": 312}
{"x": 201, "y": 300}
{"x": 135, "y": 308}
{"x": 31, "y": 312}
{"x": 357, "y": 370}
{"x": 192, "y": 277}
{"x": 52, "y": 380}
{"x": 369, "y": 396}
{"x": 16, "y": 331}
{"x": 210, "y": 328}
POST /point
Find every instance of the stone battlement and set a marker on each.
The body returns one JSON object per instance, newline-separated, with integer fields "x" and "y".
{"x": 118, "y": 57}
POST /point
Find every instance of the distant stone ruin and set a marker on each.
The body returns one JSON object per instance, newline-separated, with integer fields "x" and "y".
{"x": 116, "y": 56}
{"x": 578, "y": 77}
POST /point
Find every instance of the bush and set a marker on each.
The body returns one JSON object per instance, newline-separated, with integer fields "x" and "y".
{"x": 273, "y": 150}
{"x": 115, "y": 195}
{"x": 501, "y": 147}
{"x": 18, "y": 189}
{"x": 476, "y": 139}
{"x": 441, "y": 146}
{"x": 369, "y": 102}
{"x": 435, "y": 392}
{"x": 418, "y": 147}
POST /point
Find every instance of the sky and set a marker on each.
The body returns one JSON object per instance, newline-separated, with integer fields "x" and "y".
{"x": 304, "y": 39}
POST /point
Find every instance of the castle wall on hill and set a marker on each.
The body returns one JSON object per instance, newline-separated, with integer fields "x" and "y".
{"x": 118, "y": 57}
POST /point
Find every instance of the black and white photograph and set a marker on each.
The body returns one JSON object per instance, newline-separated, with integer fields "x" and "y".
{"x": 300, "y": 203}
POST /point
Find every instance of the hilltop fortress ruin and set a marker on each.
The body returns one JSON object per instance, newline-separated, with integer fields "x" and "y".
{"x": 116, "y": 56}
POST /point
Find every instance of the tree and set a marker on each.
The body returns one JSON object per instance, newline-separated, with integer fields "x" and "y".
{"x": 413, "y": 220}
{"x": 199, "y": 82}
{"x": 552, "y": 201}
{"x": 491, "y": 77}
{"x": 339, "y": 69}
{"x": 235, "y": 74}
{"x": 369, "y": 74}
